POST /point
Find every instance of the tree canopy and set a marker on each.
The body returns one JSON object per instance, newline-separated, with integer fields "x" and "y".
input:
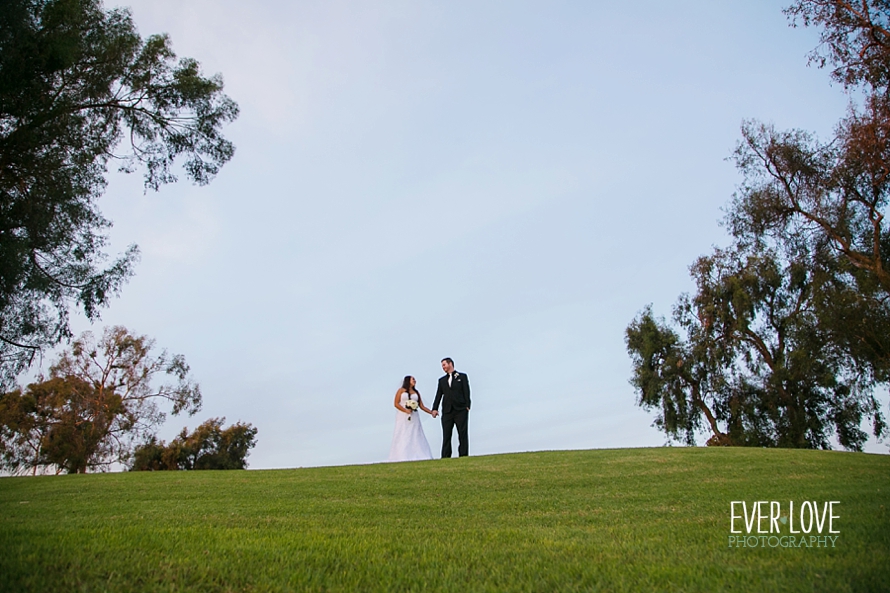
{"x": 751, "y": 363}
{"x": 831, "y": 197}
{"x": 788, "y": 333}
{"x": 210, "y": 446}
{"x": 101, "y": 399}
{"x": 80, "y": 90}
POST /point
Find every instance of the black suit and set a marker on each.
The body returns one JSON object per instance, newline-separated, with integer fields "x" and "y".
{"x": 455, "y": 399}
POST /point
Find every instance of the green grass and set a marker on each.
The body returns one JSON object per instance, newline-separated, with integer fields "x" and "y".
{"x": 604, "y": 520}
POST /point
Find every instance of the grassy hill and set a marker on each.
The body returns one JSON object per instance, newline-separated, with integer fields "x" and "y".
{"x": 602, "y": 520}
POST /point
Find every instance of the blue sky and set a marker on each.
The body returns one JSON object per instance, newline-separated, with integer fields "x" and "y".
{"x": 504, "y": 183}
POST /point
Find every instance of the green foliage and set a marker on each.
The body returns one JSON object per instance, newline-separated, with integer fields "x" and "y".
{"x": 755, "y": 361}
{"x": 664, "y": 379}
{"x": 608, "y": 520}
{"x": 788, "y": 333}
{"x": 826, "y": 200}
{"x": 100, "y": 399}
{"x": 80, "y": 89}
{"x": 52, "y": 423}
{"x": 831, "y": 196}
{"x": 208, "y": 447}
{"x": 855, "y": 38}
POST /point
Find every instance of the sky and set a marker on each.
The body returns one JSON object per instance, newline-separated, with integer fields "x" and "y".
{"x": 504, "y": 183}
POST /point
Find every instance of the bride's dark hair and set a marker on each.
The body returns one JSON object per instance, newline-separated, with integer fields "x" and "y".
{"x": 406, "y": 384}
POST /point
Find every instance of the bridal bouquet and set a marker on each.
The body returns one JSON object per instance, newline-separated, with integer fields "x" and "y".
{"x": 411, "y": 405}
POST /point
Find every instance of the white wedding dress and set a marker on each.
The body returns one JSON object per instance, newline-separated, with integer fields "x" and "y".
{"x": 408, "y": 441}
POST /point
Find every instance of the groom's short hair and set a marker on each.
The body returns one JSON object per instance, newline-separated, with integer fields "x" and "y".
{"x": 448, "y": 360}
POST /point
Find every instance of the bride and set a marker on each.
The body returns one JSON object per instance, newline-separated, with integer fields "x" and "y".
{"x": 408, "y": 441}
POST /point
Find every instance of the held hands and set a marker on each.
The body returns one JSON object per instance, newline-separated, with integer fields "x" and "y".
{"x": 434, "y": 413}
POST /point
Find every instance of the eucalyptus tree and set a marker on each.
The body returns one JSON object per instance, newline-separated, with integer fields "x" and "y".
{"x": 832, "y": 195}
{"x": 788, "y": 334}
{"x": 80, "y": 91}
{"x": 102, "y": 398}
{"x": 748, "y": 360}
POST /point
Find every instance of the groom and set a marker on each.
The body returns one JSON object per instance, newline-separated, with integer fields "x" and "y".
{"x": 454, "y": 393}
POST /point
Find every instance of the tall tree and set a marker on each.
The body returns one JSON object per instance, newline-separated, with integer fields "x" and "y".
{"x": 102, "y": 398}
{"x": 832, "y": 196}
{"x": 755, "y": 367}
{"x": 80, "y": 90}
{"x": 801, "y": 309}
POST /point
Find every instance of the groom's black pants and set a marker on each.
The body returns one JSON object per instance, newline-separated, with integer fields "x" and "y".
{"x": 459, "y": 419}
